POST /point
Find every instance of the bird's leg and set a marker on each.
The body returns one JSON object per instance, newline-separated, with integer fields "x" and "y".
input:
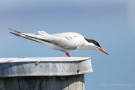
{"x": 67, "y": 54}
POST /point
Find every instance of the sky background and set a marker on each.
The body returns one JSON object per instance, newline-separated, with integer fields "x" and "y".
{"x": 110, "y": 22}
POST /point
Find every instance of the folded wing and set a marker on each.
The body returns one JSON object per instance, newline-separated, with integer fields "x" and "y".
{"x": 63, "y": 41}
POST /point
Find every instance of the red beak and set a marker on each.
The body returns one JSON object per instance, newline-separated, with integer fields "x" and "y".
{"x": 102, "y": 50}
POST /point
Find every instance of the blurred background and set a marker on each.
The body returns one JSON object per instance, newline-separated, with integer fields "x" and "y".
{"x": 110, "y": 22}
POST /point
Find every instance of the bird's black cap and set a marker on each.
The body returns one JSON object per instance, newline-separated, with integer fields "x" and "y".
{"x": 93, "y": 41}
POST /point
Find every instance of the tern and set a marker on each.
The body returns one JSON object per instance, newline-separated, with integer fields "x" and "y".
{"x": 62, "y": 41}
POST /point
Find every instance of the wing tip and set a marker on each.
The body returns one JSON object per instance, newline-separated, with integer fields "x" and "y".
{"x": 15, "y": 30}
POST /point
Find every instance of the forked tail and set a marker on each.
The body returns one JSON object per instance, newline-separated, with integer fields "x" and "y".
{"x": 29, "y": 36}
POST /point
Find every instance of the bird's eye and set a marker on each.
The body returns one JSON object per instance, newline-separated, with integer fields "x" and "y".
{"x": 97, "y": 46}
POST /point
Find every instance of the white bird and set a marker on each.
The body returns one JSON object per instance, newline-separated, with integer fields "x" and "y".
{"x": 62, "y": 41}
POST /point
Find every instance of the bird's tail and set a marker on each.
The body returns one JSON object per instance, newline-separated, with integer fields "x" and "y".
{"x": 29, "y": 36}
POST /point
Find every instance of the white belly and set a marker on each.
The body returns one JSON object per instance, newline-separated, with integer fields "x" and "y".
{"x": 54, "y": 47}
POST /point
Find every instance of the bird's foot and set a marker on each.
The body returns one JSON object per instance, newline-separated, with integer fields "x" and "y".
{"x": 68, "y": 55}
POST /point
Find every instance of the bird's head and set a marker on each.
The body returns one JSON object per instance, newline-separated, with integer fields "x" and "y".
{"x": 95, "y": 45}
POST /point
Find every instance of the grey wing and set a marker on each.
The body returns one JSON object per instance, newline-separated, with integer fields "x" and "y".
{"x": 67, "y": 42}
{"x": 62, "y": 41}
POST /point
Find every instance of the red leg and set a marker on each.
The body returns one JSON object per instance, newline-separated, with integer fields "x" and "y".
{"x": 67, "y": 54}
